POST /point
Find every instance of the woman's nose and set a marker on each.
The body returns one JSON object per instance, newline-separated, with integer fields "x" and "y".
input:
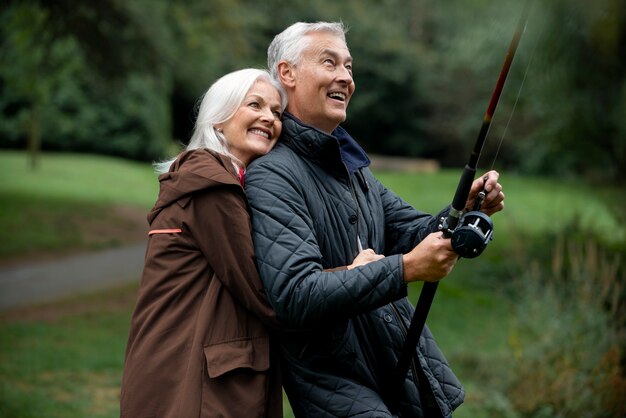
{"x": 267, "y": 115}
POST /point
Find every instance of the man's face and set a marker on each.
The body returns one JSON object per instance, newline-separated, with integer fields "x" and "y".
{"x": 322, "y": 82}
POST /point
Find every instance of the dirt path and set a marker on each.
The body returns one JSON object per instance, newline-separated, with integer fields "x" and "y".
{"x": 51, "y": 280}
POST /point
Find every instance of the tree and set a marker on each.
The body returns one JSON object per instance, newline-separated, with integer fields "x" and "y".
{"x": 578, "y": 92}
{"x": 123, "y": 77}
{"x": 26, "y": 53}
{"x": 64, "y": 73}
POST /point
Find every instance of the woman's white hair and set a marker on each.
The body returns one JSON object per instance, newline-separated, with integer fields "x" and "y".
{"x": 291, "y": 43}
{"x": 218, "y": 105}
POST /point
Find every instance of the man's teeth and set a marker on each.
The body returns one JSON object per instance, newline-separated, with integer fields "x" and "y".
{"x": 337, "y": 95}
{"x": 260, "y": 132}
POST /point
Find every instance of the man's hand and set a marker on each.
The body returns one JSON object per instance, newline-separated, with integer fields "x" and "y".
{"x": 430, "y": 261}
{"x": 494, "y": 198}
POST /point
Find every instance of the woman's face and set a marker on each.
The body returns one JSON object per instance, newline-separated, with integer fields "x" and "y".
{"x": 254, "y": 128}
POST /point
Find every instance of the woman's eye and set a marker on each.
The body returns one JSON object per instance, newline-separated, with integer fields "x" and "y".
{"x": 277, "y": 114}
{"x": 255, "y": 105}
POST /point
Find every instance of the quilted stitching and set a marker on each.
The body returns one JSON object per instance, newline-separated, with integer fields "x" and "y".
{"x": 299, "y": 215}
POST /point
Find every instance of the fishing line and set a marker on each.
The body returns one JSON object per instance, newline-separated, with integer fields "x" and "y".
{"x": 519, "y": 93}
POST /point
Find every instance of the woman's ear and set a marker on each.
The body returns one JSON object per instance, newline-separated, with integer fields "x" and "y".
{"x": 286, "y": 74}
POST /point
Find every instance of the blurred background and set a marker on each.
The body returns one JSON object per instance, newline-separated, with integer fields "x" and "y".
{"x": 122, "y": 78}
{"x": 92, "y": 92}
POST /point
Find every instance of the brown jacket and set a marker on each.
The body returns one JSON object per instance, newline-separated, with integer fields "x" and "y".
{"x": 199, "y": 344}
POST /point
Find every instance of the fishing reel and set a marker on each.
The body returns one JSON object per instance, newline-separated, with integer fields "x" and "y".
{"x": 471, "y": 235}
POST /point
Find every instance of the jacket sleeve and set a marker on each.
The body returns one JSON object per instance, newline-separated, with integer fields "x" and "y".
{"x": 222, "y": 230}
{"x": 290, "y": 261}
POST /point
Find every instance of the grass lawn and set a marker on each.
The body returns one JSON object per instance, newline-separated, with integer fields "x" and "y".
{"x": 71, "y": 202}
{"x": 65, "y": 359}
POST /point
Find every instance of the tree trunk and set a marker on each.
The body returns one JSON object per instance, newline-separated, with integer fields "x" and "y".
{"x": 34, "y": 137}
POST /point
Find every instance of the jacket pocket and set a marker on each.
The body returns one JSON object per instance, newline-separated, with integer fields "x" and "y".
{"x": 251, "y": 353}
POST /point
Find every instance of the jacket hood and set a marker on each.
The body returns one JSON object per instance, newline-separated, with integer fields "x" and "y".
{"x": 191, "y": 172}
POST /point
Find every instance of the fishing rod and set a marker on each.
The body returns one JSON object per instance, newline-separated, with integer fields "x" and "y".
{"x": 470, "y": 231}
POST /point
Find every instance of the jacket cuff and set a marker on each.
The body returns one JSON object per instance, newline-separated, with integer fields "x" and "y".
{"x": 402, "y": 285}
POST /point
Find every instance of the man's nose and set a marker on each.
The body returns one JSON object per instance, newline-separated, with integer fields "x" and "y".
{"x": 345, "y": 75}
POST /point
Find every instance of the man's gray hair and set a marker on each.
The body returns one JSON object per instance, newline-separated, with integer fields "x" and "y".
{"x": 291, "y": 43}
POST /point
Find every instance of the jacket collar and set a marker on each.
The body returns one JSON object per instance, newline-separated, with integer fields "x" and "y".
{"x": 337, "y": 148}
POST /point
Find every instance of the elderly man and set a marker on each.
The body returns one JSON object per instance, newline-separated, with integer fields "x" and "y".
{"x": 336, "y": 249}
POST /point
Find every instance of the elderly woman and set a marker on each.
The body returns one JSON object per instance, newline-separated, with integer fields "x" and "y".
{"x": 199, "y": 343}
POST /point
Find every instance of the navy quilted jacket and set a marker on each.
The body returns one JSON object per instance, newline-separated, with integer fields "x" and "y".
{"x": 346, "y": 327}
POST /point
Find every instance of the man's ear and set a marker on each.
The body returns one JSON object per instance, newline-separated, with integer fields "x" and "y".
{"x": 286, "y": 74}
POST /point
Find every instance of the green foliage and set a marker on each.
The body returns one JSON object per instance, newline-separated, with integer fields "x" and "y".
{"x": 51, "y": 94}
{"x": 123, "y": 78}
{"x": 568, "y": 337}
{"x": 576, "y": 91}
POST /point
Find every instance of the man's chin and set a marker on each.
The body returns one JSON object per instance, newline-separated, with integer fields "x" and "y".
{"x": 338, "y": 117}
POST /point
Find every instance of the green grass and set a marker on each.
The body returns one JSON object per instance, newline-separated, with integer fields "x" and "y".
{"x": 46, "y": 209}
{"x": 65, "y": 359}
{"x": 533, "y": 204}
{"x": 80, "y": 177}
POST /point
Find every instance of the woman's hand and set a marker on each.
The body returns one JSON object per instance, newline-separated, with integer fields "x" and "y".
{"x": 366, "y": 256}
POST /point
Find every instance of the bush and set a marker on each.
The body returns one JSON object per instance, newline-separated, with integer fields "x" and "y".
{"x": 51, "y": 98}
{"x": 568, "y": 339}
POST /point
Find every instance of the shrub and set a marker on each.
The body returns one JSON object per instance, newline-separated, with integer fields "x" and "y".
{"x": 568, "y": 339}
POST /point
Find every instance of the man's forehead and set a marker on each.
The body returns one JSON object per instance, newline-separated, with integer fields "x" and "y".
{"x": 327, "y": 44}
